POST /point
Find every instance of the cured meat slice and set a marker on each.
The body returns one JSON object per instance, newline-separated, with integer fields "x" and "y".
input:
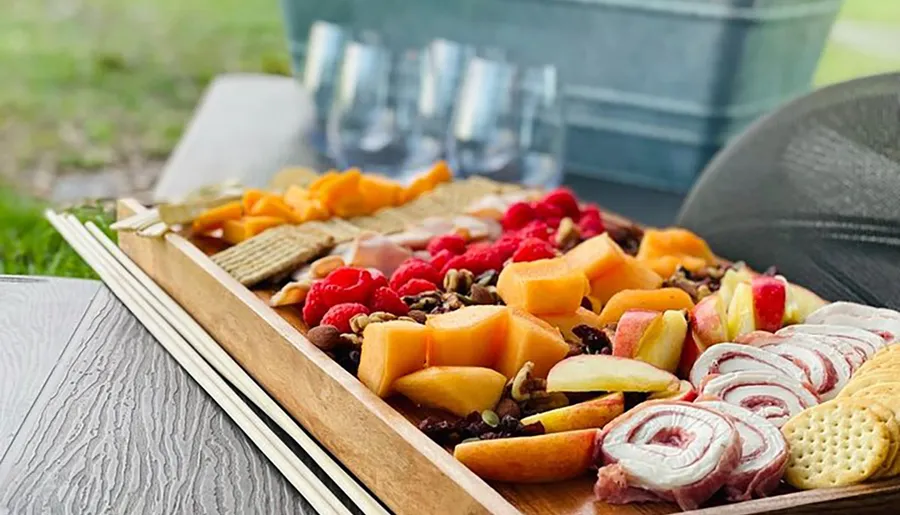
{"x": 827, "y": 369}
{"x": 770, "y": 395}
{"x": 731, "y": 357}
{"x": 673, "y": 451}
{"x": 871, "y": 340}
{"x": 853, "y": 352}
{"x": 882, "y": 321}
{"x": 764, "y": 453}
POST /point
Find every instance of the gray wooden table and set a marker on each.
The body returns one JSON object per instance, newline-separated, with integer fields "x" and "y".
{"x": 96, "y": 417}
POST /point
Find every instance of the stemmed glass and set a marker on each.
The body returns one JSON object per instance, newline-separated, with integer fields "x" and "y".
{"x": 324, "y": 50}
{"x": 508, "y": 124}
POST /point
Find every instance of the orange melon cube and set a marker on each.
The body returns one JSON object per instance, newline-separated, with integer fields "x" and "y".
{"x": 596, "y": 256}
{"x": 250, "y": 198}
{"x": 470, "y": 336}
{"x": 296, "y": 197}
{"x": 391, "y": 350}
{"x": 665, "y": 266}
{"x": 439, "y": 173}
{"x": 459, "y": 390}
{"x": 662, "y": 299}
{"x": 528, "y": 338}
{"x": 566, "y": 322}
{"x": 312, "y": 210}
{"x": 545, "y": 286}
{"x": 236, "y": 231}
{"x": 272, "y": 205}
{"x": 215, "y": 218}
{"x": 631, "y": 274}
{"x": 322, "y": 180}
{"x": 674, "y": 241}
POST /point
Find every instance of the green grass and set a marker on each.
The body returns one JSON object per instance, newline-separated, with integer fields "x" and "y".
{"x": 30, "y": 246}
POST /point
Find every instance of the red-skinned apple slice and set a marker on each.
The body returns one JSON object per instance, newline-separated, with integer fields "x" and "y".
{"x": 685, "y": 392}
{"x": 769, "y": 295}
{"x": 709, "y": 321}
{"x": 662, "y": 342}
{"x": 741, "y": 315}
{"x": 630, "y": 329}
{"x": 729, "y": 282}
{"x": 603, "y": 373}
{"x": 690, "y": 351}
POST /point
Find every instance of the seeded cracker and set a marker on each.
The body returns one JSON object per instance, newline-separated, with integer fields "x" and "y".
{"x": 384, "y": 221}
{"x": 339, "y": 230}
{"x": 271, "y": 253}
{"x": 837, "y": 443}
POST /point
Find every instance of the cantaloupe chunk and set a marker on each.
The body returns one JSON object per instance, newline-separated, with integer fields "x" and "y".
{"x": 236, "y": 231}
{"x": 342, "y": 195}
{"x": 312, "y": 210}
{"x": 545, "y": 286}
{"x": 215, "y": 218}
{"x": 595, "y": 256}
{"x": 272, "y": 205}
{"x": 649, "y": 300}
{"x": 665, "y": 266}
{"x": 250, "y": 198}
{"x": 565, "y": 323}
{"x": 674, "y": 241}
{"x": 391, "y": 350}
{"x": 529, "y": 338}
{"x": 459, "y": 390}
{"x": 630, "y": 274}
{"x": 470, "y": 336}
{"x": 322, "y": 180}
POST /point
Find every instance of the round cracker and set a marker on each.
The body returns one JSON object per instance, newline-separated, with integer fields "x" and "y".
{"x": 891, "y": 364}
{"x": 887, "y": 395}
{"x": 837, "y": 443}
{"x": 858, "y": 383}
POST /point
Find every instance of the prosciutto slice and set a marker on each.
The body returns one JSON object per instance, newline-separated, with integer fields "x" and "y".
{"x": 852, "y": 351}
{"x": 673, "y": 451}
{"x": 770, "y": 395}
{"x": 731, "y": 357}
{"x": 764, "y": 453}
{"x": 882, "y": 321}
{"x": 873, "y": 341}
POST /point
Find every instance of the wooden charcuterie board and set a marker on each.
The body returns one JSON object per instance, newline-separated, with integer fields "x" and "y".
{"x": 376, "y": 439}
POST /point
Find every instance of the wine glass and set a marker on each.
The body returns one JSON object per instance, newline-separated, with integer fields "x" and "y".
{"x": 508, "y": 124}
{"x": 324, "y": 49}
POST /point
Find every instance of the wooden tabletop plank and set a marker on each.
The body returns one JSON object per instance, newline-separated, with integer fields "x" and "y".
{"x": 31, "y": 340}
{"x": 119, "y": 427}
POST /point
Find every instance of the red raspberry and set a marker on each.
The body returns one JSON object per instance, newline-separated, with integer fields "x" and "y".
{"x": 479, "y": 246}
{"x": 517, "y": 215}
{"x": 415, "y": 287}
{"x": 536, "y": 229}
{"x": 387, "y": 300}
{"x": 353, "y": 285}
{"x": 414, "y": 269}
{"x": 547, "y": 211}
{"x": 315, "y": 305}
{"x": 533, "y": 249}
{"x": 591, "y": 223}
{"x": 339, "y": 315}
{"x": 476, "y": 261}
{"x": 440, "y": 259}
{"x": 452, "y": 242}
{"x": 507, "y": 245}
{"x": 378, "y": 278}
{"x": 565, "y": 200}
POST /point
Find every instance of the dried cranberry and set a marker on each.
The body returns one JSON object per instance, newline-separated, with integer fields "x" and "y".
{"x": 594, "y": 340}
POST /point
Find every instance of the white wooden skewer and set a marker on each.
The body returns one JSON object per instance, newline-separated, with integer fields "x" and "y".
{"x": 232, "y": 371}
{"x": 298, "y": 474}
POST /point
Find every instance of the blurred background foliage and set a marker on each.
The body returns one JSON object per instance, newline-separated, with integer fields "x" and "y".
{"x": 106, "y": 86}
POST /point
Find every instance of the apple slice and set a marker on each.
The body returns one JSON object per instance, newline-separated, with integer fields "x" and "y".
{"x": 661, "y": 343}
{"x": 799, "y": 303}
{"x": 530, "y": 459}
{"x": 690, "y": 351}
{"x": 630, "y": 329}
{"x": 729, "y": 282}
{"x": 594, "y": 413}
{"x": 685, "y": 393}
{"x": 769, "y": 296}
{"x": 709, "y": 321}
{"x": 603, "y": 373}
{"x": 741, "y": 316}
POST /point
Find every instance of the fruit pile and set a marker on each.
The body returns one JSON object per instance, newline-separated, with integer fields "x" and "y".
{"x": 551, "y": 344}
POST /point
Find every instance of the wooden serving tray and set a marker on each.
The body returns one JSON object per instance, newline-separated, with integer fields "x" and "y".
{"x": 376, "y": 439}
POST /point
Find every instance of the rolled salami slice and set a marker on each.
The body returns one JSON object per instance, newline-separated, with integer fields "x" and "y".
{"x": 827, "y": 369}
{"x": 764, "y": 453}
{"x": 770, "y": 395}
{"x": 871, "y": 340}
{"x": 853, "y": 352}
{"x": 674, "y": 451}
{"x": 882, "y": 321}
{"x": 731, "y": 357}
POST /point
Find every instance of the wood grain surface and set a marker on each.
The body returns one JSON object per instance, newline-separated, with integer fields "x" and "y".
{"x": 30, "y": 343}
{"x": 119, "y": 427}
